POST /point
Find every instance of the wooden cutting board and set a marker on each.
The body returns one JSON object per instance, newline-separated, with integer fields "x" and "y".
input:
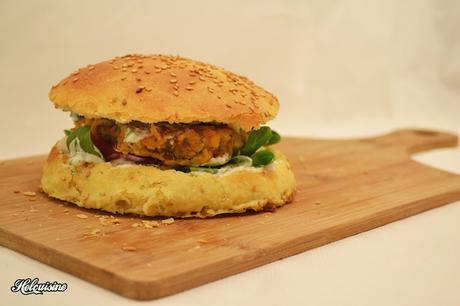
{"x": 344, "y": 187}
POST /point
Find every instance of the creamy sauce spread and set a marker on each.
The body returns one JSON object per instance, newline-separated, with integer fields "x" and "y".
{"x": 78, "y": 156}
{"x": 135, "y": 135}
{"x": 217, "y": 161}
{"x": 74, "y": 116}
{"x": 227, "y": 170}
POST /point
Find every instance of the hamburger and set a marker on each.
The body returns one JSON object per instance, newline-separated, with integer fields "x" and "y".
{"x": 161, "y": 135}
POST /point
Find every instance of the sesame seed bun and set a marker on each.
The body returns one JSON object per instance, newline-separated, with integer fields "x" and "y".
{"x": 160, "y": 88}
{"x": 150, "y": 191}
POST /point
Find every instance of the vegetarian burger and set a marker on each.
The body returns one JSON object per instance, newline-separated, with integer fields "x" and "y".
{"x": 161, "y": 135}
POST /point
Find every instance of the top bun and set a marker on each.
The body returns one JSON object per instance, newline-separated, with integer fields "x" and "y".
{"x": 162, "y": 88}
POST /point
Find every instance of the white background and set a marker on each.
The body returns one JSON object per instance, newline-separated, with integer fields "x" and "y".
{"x": 339, "y": 68}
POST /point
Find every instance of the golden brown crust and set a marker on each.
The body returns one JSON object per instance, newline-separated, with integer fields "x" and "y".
{"x": 149, "y": 191}
{"x": 159, "y": 88}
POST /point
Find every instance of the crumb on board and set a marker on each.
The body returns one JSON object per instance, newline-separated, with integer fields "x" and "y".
{"x": 107, "y": 220}
{"x": 82, "y": 216}
{"x": 93, "y": 233}
{"x": 194, "y": 248}
{"x": 104, "y": 221}
{"x": 202, "y": 241}
{"x": 317, "y": 202}
{"x": 150, "y": 224}
{"x": 16, "y": 191}
{"x": 29, "y": 193}
{"x": 128, "y": 248}
{"x": 168, "y": 221}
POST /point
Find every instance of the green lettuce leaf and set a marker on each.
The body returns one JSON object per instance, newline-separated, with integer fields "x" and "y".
{"x": 83, "y": 134}
{"x": 258, "y": 138}
{"x": 262, "y": 158}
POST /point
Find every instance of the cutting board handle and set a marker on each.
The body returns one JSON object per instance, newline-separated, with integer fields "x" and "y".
{"x": 417, "y": 140}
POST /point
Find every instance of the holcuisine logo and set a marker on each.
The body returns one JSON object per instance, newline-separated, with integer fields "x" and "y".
{"x": 32, "y": 286}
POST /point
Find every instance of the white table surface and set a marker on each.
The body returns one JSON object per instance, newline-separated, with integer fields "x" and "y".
{"x": 339, "y": 68}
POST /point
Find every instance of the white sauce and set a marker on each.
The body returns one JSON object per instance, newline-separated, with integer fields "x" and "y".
{"x": 227, "y": 170}
{"x": 74, "y": 116}
{"x": 78, "y": 156}
{"x": 135, "y": 135}
{"x": 216, "y": 161}
{"x": 121, "y": 162}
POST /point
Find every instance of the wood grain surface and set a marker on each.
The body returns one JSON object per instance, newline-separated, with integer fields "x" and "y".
{"x": 344, "y": 187}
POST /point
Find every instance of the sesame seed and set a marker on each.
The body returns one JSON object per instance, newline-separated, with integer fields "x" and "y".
{"x": 124, "y": 102}
{"x": 74, "y": 80}
{"x": 134, "y": 70}
{"x": 148, "y": 89}
{"x": 202, "y": 79}
{"x": 229, "y": 106}
{"x": 116, "y": 67}
{"x": 192, "y": 82}
{"x": 123, "y": 78}
{"x": 146, "y": 72}
{"x": 172, "y": 74}
{"x": 124, "y": 69}
{"x": 138, "y": 79}
{"x": 139, "y": 89}
{"x": 124, "y": 65}
{"x": 210, "y": 89}
{"x": 158, "y": 70}
{"x": 189, "y": 88}
{"x": 176, "y": 93}
{"x": 140, "y": 66}
{"x": 29, "y": 193}
{"x": 173, "y": 81}
{"x": 90, "y": 68}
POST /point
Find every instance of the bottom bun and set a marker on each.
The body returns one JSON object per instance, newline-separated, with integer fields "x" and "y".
{"x": 149, "y": 191}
